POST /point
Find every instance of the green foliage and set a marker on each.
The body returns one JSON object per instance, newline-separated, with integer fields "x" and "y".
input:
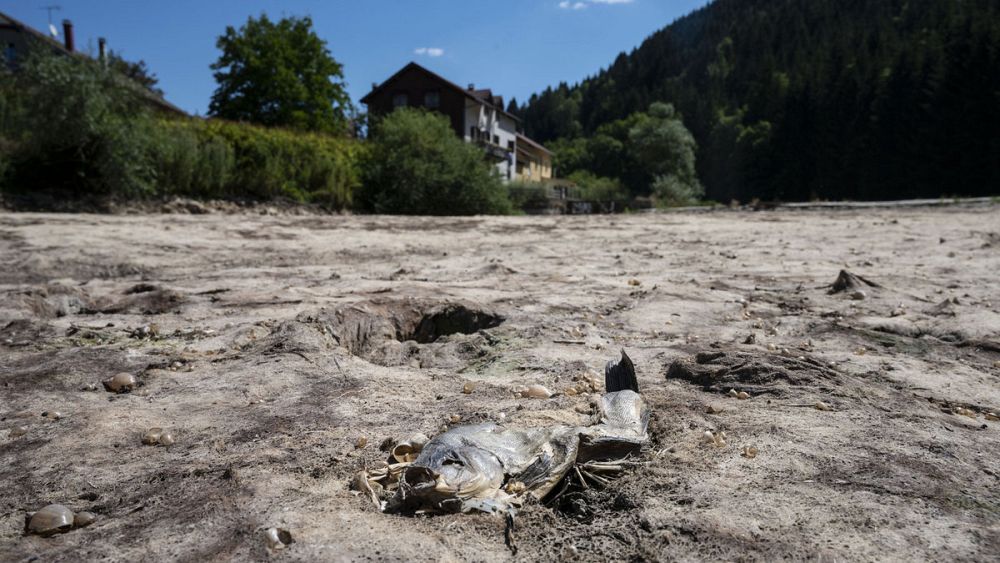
{"x": 75, "y": 128}
{"x": 218, "y": 159}
{"x": 137, "y": 72}
{"x": 794, "y": 100}
{"x": 632, "y": 156}
{"x": 528, "y": 195}
{"x": 674, "y": 191}
{"x": 71, "y": 129}
{"x": 597, "y": 188}
{"x": 416, "y": 165}
{"x": 279, "y": 74}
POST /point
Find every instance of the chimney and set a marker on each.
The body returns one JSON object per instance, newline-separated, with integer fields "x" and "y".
{"x": 102, "y": 50}
{"x": 68, "y": 35}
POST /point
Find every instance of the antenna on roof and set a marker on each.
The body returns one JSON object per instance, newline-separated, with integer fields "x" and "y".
{"x": 52, "y": 28}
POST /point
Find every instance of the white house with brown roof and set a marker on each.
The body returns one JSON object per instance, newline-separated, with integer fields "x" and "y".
{"x": 477, "y": 116}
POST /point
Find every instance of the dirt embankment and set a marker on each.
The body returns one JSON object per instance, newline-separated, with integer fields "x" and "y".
{"x": 281, "y": 352}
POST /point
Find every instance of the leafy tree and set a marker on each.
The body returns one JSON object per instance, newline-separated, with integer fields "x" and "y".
{"x": 417, "y": 166}
{"x": 138, "y": 72}
{"x": 279, "y": 74}
{"x": 76, "y": 129}
{"x": 665, "y": 150}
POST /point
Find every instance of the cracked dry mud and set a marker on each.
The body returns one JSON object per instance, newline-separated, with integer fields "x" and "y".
{"x": 282, "y": 352}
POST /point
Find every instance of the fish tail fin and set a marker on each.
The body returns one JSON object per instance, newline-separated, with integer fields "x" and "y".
{"x": 620, "y": 375}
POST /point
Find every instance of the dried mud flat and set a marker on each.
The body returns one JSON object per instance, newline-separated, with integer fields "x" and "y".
{"x": 282, "y": 352}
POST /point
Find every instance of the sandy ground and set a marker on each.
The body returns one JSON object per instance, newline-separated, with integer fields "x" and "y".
{"x": 283, "y": 351}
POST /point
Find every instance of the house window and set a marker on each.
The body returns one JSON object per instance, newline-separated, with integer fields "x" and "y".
{"x": 400, "y": 100}
{"x": 432, "y": 99}
{"x": 10, "y": 53}
{"x": 496, "y": 140}
{"x": 510, "y": 146}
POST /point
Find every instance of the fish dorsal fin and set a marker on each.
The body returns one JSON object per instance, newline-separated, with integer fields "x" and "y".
{"x": 620, "y": 375}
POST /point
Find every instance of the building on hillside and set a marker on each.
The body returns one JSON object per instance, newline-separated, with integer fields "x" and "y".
{"x": 477, "y": 116}
{"x": 17, "y": 39}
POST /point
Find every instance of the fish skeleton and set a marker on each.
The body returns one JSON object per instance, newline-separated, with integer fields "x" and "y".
{"x": 489, "y": 468}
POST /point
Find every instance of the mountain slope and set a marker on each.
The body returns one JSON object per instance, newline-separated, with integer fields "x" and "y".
{"x": 800, "y": 99}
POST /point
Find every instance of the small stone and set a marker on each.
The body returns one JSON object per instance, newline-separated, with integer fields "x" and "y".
{"x": 859, "y": 295}
{"x": 18, "y": 431}
{"x": 743, "y": 395}
{"x": 992, "y": 416}
{"x": 120, "y": 383}
{"x": 152, "y": 436}
{"x": 468, "y": 388}
{"x": 83, "y": 519}
{"x": 749, "y": 452}
{"x": 821, "y": 406}
{"x": 455, "y": 418}
{"x": 167, "y": 439}
{"x": 51, "y": 520}
{"x": 712, "y": 409}
{"x": 634, "y": 282}
{"x": 361, "y": 442}
{"x": 535, "y": 391}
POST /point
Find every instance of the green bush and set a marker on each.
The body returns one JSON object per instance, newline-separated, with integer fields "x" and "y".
{"x": 72, "y": 130}
{"x": 76, "y": 129}
{"x": 416, "y": 165}
{"x": 673, "y": 191}
{"x": 219, "y": 159}
{"x": 596, "y": 188}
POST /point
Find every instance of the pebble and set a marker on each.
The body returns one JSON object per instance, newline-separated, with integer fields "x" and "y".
{"x": 53, "y": 519}
{"x": 120, "y": 383}
{"x": 859, "y": 295}
{"x": 749, "y": 452}
{"x": 821, "y": 406}
{"x": 468, "y": 388}
{"x": 83, "y": 519}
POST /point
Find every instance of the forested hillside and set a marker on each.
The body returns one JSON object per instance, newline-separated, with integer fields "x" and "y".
{"x": 805, "y": 99}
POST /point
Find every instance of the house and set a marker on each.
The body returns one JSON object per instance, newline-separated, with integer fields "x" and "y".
{"x": 477, "y": 116}
{"x": 17, "y": 39}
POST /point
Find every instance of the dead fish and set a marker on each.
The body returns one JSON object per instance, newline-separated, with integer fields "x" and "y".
{"x": 488, "y": 468}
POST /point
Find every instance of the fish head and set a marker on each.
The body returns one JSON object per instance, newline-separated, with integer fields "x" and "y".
{"x": 446, "y": 474}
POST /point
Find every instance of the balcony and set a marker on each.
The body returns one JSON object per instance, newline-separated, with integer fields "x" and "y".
{"x": 493, "y": 151}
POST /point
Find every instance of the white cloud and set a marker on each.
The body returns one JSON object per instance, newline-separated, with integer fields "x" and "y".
{"x": 429, "y": 51}
{"x": 568, "y": 5}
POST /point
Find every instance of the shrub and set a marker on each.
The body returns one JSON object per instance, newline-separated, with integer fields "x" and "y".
{"x": 596, "y": 188}
{"x": 76, "y": 129}
{"x": 416, "y": 165}
{"x": 673, "y": 191}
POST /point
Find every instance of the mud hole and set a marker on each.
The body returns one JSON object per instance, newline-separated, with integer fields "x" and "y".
{"x": 283, "y": 351}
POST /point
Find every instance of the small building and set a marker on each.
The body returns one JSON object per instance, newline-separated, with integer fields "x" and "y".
{"x": 477, "y": 116}
{"x": 534, "y": 162}
{"x": 17, "y": 39}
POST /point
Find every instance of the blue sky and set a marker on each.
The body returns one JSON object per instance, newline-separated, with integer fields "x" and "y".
{"x": 515, "y": 47}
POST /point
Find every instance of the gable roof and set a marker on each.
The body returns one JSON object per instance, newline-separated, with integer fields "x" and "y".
{"x": 532, "y": 143}
{"x": 6, "y": 21}
{"x": 484, "y": 97}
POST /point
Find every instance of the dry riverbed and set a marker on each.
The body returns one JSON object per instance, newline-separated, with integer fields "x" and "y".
{"x": 283, "y": 354}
